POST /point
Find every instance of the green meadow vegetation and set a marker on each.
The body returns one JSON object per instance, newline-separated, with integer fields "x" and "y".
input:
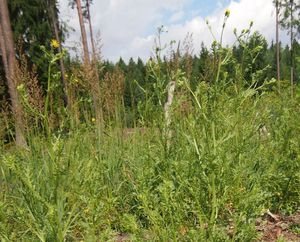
{"x": 220, "y": 172}
{"x": 173, "y": 156}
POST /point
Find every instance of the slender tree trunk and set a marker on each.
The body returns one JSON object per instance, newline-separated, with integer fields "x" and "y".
{"x": 277, "y": 43}
{"x": 96, "y": 87}
{"x": 83, "y": 33}
{"x": 92, "y": 72}
{"x": 11, "y": 72}
{"x": 91, "y": 29}
{"x": 167, "y": 109}
{"x": 3, "y": 48}
{"x": 292, "y": 40}
{"x": 55, "y": 25}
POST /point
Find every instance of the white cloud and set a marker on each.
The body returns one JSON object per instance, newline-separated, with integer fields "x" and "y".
{"x": 176, "y": 16}
{"x": 242, "y": 13}
{"x": 121, "y": 21}
{"x": 128, "y": 26}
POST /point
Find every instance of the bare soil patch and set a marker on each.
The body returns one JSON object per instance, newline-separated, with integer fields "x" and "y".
{"x": 276, "y": 226}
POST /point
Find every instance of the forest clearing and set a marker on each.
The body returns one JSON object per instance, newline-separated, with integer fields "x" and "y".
{"x": 181, "y": 146}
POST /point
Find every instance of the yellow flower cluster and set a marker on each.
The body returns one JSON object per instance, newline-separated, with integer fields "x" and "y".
{"x": 227, "y": 13}
{"x": 54, "y": 43}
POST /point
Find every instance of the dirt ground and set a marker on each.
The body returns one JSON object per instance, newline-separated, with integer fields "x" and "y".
{"x": 271, "y": 227}
{"x": 277, "y": 226}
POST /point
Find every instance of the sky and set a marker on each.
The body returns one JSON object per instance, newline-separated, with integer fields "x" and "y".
{"x": 127, "y": 28}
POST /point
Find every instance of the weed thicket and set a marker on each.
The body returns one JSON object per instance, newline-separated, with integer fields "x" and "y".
{"x": 232, "y": 156}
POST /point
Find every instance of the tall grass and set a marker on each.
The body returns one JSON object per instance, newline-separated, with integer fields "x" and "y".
{"x": 226, "y": 165}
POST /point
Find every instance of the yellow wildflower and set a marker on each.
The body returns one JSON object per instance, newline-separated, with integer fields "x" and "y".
{"x": 20, "y": 87}
{"x": 93, "y": 120}
{"x": 54, "y": 43}
{"x": 227, "y": 13}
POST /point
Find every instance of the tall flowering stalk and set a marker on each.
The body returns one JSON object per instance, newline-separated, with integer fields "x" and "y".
{"x": 53, "y": 58}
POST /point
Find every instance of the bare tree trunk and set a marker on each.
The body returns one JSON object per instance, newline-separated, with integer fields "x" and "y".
{"x": 11, "y": 72}
{"x": 167, "y": 109}
{"x": 91, "y": 29}
{"x": 83, "y": 33}
{"x": 277, "y": 43}
{"x": 92, "y": 72}
{"x": 292, "y": 40}
{"x": 55, "y": 25}
{"x": 96, "y": 88}
{"x": 3, "y": 48}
